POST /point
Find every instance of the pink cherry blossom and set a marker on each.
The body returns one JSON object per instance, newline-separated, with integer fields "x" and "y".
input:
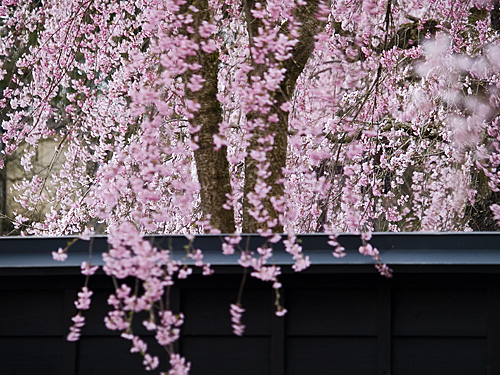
{"x": 133, "y": 118}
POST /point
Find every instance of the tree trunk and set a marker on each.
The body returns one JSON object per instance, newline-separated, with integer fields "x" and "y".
{"x": 310, "y": 26}
{"x": 212, "y": 166}
{"x": 495, "y": 16}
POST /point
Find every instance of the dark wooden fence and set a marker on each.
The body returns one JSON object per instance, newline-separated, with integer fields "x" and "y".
{"x": 439, "y": 314}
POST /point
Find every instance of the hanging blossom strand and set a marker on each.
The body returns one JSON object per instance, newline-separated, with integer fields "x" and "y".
{"x": 229, "y": 117}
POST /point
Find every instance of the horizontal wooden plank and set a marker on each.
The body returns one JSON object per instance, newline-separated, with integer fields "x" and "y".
{"x": 228, "y": 355}
{"x": 111, "y": 355}
{"x": 32, "y": 313}
{"x": 214, "y": 318}
{"x": 438, "y": 356}
{"x": 451, "y": 249}
{"x": 440, "y": 311}
{"x": 34, "y": 355}
{"x": 331, "y": 355}
{"x": 331, "y": 311}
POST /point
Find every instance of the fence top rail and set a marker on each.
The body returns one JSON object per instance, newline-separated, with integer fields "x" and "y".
{"x": 452, "y": 249}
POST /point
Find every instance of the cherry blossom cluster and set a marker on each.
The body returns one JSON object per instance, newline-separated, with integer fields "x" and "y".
{"x": 83, "y": 303}
{"x": 236, "y": 312}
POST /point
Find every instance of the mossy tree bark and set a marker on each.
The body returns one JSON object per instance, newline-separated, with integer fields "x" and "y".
{"x": 211, "y": 165}
{"x": 310, "y": 26}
